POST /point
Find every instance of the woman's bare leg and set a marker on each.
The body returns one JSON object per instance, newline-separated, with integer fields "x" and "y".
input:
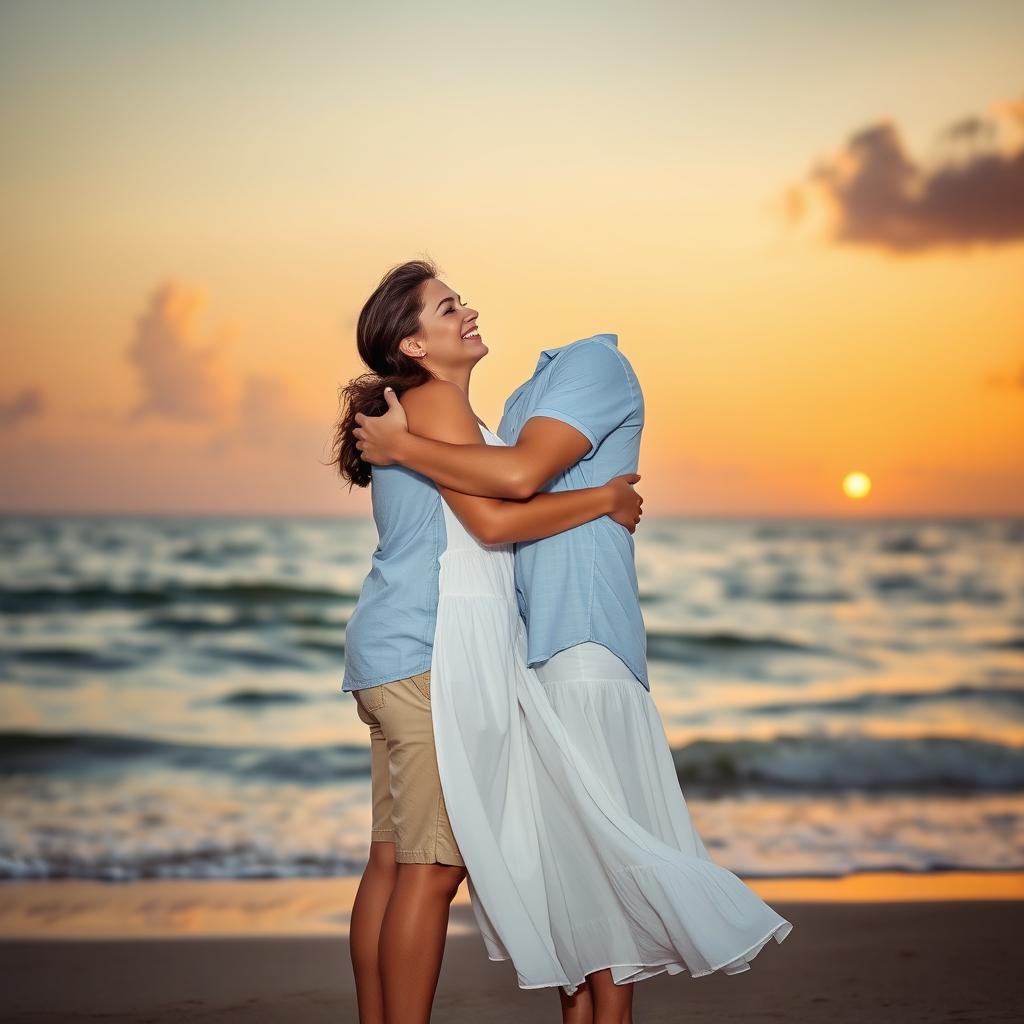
{"x": 368, "y": 908}
{"x": 579, "y": 1007}
{"x": 613, "y": 1004}
{"x": 412, "y": 939}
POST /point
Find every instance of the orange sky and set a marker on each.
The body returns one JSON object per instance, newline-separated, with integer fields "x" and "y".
{"x": 198, "y": 201}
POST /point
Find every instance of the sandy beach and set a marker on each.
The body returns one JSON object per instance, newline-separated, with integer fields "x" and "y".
{"x": 207, "y": 952}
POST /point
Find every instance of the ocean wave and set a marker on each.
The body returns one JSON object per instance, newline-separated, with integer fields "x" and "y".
{"x": 916, "y": 588}
{"x": 260, "y": 698}
{"x": 1012, "y": 643}
{"x": 794, "y": 763}
{"x": 68, "y": 753}
{"x": 252, "y": 657}
{"x": 80, "y": 658}
{"x": 862, "y": 763}
{"x": 921, "y": 541}
{"x": 695, "y": 647}
{"x": 203, "y": 860}
{"x": 101, "y": 596}
{"x": 218, "y": 552}
{"x": 785, "y": 593}
{"x": 1002, "y": 697}
{"x": 333, "y": 646}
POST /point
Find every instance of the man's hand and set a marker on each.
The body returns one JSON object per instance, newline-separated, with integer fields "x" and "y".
{"x": 627, "y": 505}
{"x": 379, "y": 438}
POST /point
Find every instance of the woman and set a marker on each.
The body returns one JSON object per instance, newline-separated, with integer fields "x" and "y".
{"x": 408, "y": 337}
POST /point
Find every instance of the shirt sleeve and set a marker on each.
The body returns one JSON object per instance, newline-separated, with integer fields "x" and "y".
{"x": 588, "y": 388}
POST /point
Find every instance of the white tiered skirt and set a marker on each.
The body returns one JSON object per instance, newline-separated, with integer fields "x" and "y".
{"x": 575, "y": 864}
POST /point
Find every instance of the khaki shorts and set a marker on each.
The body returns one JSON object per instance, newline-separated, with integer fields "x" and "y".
{"x": 408, "y": 805}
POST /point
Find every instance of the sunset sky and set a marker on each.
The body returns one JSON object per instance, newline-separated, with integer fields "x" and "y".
{"x": 805, "y": 223}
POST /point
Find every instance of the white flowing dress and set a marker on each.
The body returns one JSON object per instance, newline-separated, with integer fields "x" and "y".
{"x": 563, "y": 880}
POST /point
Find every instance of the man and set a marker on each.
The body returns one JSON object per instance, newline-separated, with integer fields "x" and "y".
{"x": 576, "y": 422}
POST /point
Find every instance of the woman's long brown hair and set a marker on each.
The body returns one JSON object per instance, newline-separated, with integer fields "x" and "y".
{"x": 391, "y": 313}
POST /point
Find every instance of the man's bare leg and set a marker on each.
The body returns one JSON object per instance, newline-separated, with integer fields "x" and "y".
{"x": 412, "y": 939}
{"x": 368, "y": 908}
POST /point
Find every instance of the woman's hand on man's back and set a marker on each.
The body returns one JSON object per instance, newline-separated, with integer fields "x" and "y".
{"x": 627, "y": 505}
{"x": 379, "y": 438}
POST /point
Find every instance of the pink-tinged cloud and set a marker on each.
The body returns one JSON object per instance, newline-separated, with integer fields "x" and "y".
{"x": 22, "y": 405}
{"x": 207, "y": 435}
{"x": 877, "y": 194}
{"x": 186, "y": 381}
{"x": 180, "y": 379}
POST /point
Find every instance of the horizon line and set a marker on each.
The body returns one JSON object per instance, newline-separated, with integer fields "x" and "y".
{"x": 367, "y": 517}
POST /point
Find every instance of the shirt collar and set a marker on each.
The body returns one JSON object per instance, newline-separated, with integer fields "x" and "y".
{"x": 548, "y": 354}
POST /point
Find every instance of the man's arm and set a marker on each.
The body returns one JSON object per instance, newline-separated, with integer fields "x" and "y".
{"x": 544, "y": 449}
{"x": 441, "y": 409}
{"x": 586, "y": 396}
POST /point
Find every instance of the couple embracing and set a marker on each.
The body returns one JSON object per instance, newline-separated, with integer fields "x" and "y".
{"x": 497, "y": 654}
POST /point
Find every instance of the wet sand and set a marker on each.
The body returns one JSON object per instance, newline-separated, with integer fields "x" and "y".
{"x": 193, "y": 951}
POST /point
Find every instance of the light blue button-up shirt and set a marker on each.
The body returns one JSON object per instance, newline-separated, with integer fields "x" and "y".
{"x": 391, "y": 632}
{"x": 581, "y": 584}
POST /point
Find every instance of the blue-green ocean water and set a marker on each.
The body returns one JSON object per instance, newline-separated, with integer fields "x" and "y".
{"x": 840, "y": 696}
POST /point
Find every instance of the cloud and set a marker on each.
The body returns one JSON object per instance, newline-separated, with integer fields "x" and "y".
{"x": 181, "y": 380}
{"x": 186, "y": 381}
{"x": 971, "y": 129}
{"x": 875, "y": 193}
{"x": 23, "y": 405}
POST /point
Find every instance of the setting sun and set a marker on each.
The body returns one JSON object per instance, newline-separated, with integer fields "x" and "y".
{"x": 856, "y": 485}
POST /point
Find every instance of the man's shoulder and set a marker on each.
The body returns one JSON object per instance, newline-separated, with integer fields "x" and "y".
{"x": 598, "y": 353}
{"x": 603, "y": 340}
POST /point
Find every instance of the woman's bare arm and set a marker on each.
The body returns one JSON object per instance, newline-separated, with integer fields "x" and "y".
{"x": 441, "y": 411}
{"x": 545, "y": 447}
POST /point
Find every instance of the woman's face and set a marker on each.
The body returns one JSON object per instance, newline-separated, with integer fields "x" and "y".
{"x": 448, "y": 341}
